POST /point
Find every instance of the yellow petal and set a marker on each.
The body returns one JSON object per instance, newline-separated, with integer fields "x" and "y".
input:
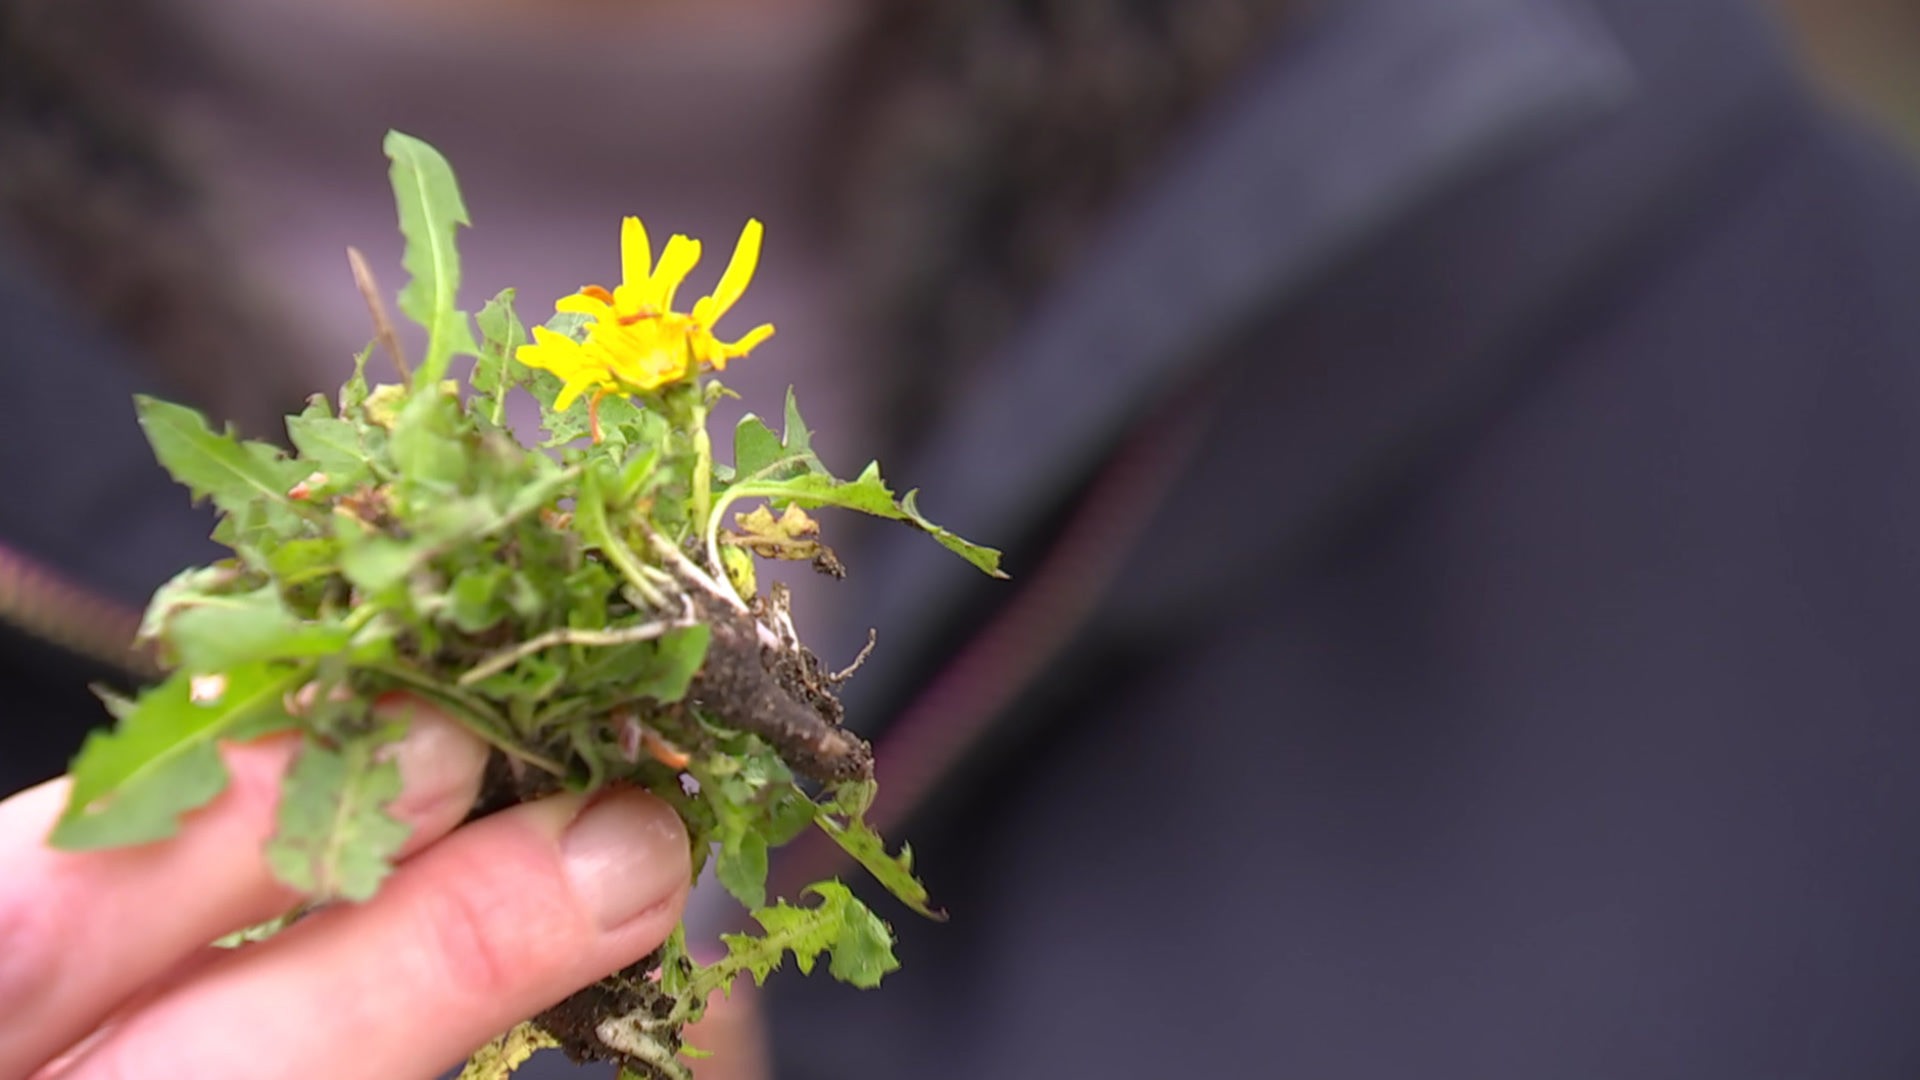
{"x": 617, "y": 363}
{"x": 571, "y": 392}
{"x": 679, "y": 258}
{"x": 633, "y": 301}
{"x": 549, "y": 352}
{"x": 706, "y": 352}
{"x": 530, "y": 356}
{"x": 746, "y": 256}
{"x": 747, "y": 341}
{"x": 636, "y": 255}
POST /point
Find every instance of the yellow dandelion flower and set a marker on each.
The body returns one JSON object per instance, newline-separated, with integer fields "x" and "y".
{"x": 637, "y": 342}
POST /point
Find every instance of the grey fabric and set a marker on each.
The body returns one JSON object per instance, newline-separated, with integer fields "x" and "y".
{"x": 1518, "y": 681}
{"x": 1376, "y": 109}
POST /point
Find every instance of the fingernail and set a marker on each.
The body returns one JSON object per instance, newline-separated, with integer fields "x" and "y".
{"x": 440, "y": 762}
{"x": 625, "y": 854}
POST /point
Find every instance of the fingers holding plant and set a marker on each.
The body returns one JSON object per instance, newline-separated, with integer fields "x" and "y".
{"x": 585, "y": 608}
{"x": 85, "y": 935}
{"x": 488, "y": 925}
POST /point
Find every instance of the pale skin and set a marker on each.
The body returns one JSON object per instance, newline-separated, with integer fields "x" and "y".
{"x": 105, "y": 970}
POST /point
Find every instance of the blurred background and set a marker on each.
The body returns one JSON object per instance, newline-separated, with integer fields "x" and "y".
{"x": 560, "y": 118}
{"x": 1867, "y": 53}
{"x": 189, "y": 174}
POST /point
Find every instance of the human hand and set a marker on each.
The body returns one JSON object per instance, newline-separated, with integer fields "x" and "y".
{"x": 106, "y": 970}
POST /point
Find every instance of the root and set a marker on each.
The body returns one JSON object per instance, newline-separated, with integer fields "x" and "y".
{"x": 736, "y": 688}
{"x": 639, "y": 1036}
{"x": 505, "y": 659}
{"x": 624, "y": 1018}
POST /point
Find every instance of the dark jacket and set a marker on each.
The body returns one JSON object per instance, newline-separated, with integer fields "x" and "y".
{"x": 89, "y": 524}
{"x": 1466, "y": 530}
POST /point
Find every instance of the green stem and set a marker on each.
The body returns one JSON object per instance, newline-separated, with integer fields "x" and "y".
{"x": 358, "y": 619}
{"x": 567, "y": 635}
{"x": 622, "y": 558}
{"x": 498, "y": 414}
{"x": 705, "y": 980}
{"x": 702, "y": 456}
{"x": 734, "y": 493}
{"x": 471, "y": 712}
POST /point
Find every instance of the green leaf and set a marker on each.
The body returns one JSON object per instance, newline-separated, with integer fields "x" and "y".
{"x": 797, "y": 439}
{"x": 626, "y": 423}
{"x": 219, "y": 632}
{"x": 676, "y": 967}
{"x": 741, "y": 864}
{"x": 590, "y": 506}
{"x": 678, "y": 656}
{"x": 591, "y": 520}
{"x": 426, "y": 445}
{"x": 526, "y": 685}
{"x": 524, "y": 597}
{"x": 852, "y": 799}
{"x": 863, "y": 951}
{"x": 758, "y": 455}
{"x": 335, "y": 838}
{"x": 260, "y": 527}
{"x": 755, "y": 446}
{"x": 860, "y": 942}
{"x": 638, "y": 475}
{"x": 191, "y": 586}
{"x": 353, "y": 393}
{"x": 298, "y": 561}
{"x": 858, "y": 839}
{"x": 564, "y": 428}
{"x": 754, "y": 805}
{"x": 534, "y": 494}
{"x": 377, "y": 563}
{"x": 477, "y": 601}
{"x": 215, "y": 466}
{"x": 430, "y": 208}
{"x": 869, "y": 495}
{"x": 131, "y": 784}
{"x": 786, "y": 812}
{"x": 501, "y": 335}
{"x": 985, "y": 558}
{"x": 570, "y": 324}
{"x": 587, "y": 591}
{"x": 332, "y": 446}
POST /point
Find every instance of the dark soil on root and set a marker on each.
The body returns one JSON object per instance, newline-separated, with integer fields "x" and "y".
{"x": 782, "y": 697}
{"x": 574, "y": 1022}
{"x": 785, "y": 697}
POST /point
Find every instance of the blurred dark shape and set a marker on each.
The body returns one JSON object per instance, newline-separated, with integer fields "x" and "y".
{"x": 1462, "y": 505}
{"x": 99, "y": 196}
{"x": 114, "y": 279}
{"x": 1868, "y": 53}
{"x": 980, "y": 146}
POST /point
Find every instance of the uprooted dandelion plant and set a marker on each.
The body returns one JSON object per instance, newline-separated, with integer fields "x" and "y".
{"x": 586, "y": 606}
